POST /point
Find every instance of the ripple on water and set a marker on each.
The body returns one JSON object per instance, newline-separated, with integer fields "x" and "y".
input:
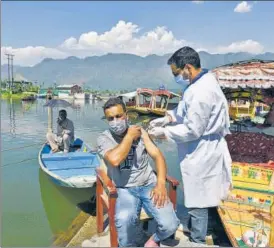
{"x": 34, "y": 209}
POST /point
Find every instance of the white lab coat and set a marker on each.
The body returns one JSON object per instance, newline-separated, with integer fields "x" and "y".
{"x": 202, "y": 121}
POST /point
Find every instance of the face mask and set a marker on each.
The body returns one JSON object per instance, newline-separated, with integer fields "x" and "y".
{"x": 179, "y": 80}
{"x": 118, "y": 126}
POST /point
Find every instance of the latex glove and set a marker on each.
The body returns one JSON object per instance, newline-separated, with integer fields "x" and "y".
{"x": 159, "y": 122}
{"x": 157, "y": 132}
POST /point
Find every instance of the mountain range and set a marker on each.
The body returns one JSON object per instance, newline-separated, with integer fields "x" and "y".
{"x": 116, "y": 71}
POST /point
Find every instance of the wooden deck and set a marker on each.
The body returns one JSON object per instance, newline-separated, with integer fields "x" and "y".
{"x": 83, "y": 237}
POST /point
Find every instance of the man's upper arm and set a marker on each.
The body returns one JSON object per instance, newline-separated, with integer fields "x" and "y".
{"x": 104, "y": 144}
{"x": 151, "y": 148}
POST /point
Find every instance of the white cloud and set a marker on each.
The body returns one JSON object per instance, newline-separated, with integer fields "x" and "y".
{"x": 243, "y": 7}
{"x": 31, "y": 55}
{"x": 124, "y": 37}
{"x": 198, "y": 2}
{"x": 200, "y": 49}
{"x": 249, "y": 46}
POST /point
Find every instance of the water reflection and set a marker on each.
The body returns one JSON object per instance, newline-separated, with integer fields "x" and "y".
{"x": 12, "y": 118}
{"x": 56, "y": 206}
{"x": 62, "y": 204}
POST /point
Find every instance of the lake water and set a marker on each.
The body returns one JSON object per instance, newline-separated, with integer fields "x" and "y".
{"x": 34, "y": 209}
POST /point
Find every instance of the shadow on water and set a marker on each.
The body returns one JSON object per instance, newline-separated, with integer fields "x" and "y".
{"x": 62, "y": 205}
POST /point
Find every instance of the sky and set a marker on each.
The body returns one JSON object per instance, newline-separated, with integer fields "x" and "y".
{"x": 34, "y": 30}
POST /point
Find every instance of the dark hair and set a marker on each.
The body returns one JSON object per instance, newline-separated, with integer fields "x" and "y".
{"x": 114, "y": 101}
{"x": 63, "y": 112}
{"x": 183, "y": 56}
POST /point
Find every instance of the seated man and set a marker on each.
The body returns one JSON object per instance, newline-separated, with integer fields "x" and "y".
{"x": 65, "y": 133}
{"x": 126, "y": 150}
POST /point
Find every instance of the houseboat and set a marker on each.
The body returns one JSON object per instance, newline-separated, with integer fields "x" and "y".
{"x": 68, "y": 91}
{"x": 129, "y": 99}
{"x": 163, "y": 100}
{"x": 144, "y": 100}
{"x": 244, "y": 83}
{"x": 247, "y": 214}
{"x": 82, "y": 95}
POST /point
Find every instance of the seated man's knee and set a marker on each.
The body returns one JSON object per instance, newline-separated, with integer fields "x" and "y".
{"x": 49, "y": 135}
{"x": 125, "y": 218}
{"x": 169, "y": 223}
{"x": 66, "y": 137}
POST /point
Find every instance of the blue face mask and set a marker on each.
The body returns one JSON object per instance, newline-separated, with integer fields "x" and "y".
{"x": 184, "y": 83}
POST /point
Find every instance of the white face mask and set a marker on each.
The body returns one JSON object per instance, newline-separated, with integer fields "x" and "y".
{"x": 118, "y": 126}
{"x": 181, "y": 81}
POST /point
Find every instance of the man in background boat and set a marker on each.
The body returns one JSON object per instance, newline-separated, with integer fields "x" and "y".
{"x": 126, "y": 150}
{"x": 65, "y": 134}
{"x": 198, "y": 125}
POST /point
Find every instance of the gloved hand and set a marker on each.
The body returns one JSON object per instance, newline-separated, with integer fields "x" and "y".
{"x": 159, "y": 122}
{"x": 157, "y": 132}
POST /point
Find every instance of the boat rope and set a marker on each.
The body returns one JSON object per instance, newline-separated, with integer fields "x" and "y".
{"x": 19, "y": 162}
{"x": 20, "y": 147}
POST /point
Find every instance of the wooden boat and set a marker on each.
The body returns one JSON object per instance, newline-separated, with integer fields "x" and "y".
{"x": 248, "y": 81}
{"x": 82, "y": 95}
{"x": 247, "y": 214}
{"x": 239, "y": 111}
{"x": 129, "y": 99}
{"x": 62, "y": 95}
{"x": 75, "y": 169}
{"x": 29, "y": 98}
{"x": 144, "y": 101}
{"x": 163, "y": 100}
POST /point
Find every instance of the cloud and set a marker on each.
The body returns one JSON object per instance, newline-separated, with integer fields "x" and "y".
{"x": 198, "y": 2}
{"x": 201, "y": 49}
{"x": 249, "y": 46}
{"x": 243, "y": 7}
{"x": 31, "y": 55}
{"x": 124, "y": 37}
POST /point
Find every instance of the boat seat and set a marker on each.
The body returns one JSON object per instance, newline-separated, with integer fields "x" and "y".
{"x": 79, "y": 172}
{"x": 79, "y": 160}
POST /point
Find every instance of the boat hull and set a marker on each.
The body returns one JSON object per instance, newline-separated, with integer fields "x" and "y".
{"x": 82, "y": 96}
{"x": 158, "y": 112}
{"x": 65, "y": 96}
{"x": 142, "y": 110}
{"x": 248, "y": 211}
{"x": 76, "y": 169}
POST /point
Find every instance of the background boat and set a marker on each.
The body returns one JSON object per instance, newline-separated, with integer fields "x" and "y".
{"x": 75, "y": 169}
{"x": 63, "y": 95}
{"x": 82, "y": 96}
{"x": 144, "y": 101}
{"x": 163, "y": 100}
{"x": 29, "y": 98}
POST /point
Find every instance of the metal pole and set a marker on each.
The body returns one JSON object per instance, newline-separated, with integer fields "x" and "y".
{"x": 12, "y": 70}
{"x": 50, "y": 117}
{"x": 8, "y": 69}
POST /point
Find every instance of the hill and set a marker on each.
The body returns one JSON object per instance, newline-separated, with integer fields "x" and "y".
{"x": 117, "y": 71}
